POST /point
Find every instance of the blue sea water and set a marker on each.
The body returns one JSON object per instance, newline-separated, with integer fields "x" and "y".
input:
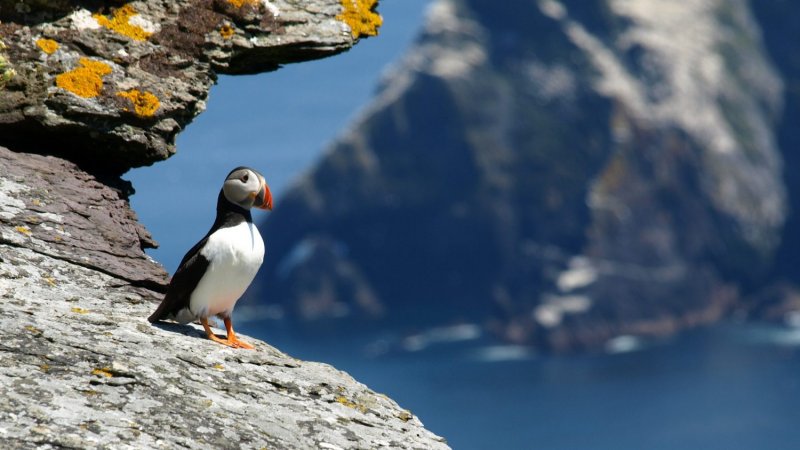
{"x": 730, "y": 387}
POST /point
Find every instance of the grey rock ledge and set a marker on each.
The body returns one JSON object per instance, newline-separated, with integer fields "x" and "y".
{"x": 82, "y": 368}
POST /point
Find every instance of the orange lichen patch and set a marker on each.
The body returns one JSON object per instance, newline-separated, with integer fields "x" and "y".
{"x": 360, "y": 17}
{"x": 24, "y": 230}
{"x": 240, "y": 3}
{"x": 104, "y": 372}
{"x": 119, "y": 22}
{"x": 226, "y": 31}
{"x": 85, "y": 81}
{"x": 145, "y": 104}
{"x": 48, "y": 46}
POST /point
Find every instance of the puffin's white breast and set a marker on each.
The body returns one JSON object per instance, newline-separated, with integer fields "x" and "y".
{"x": 234, "y": 255}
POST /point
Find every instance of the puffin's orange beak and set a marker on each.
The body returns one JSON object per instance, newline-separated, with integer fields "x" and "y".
{"x": 263, "y": 199}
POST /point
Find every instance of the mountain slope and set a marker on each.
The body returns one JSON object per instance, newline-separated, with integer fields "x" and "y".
{"x": 571, "y": 171}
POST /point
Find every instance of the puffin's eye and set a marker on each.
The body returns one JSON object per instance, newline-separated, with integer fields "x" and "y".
{"x": 245, "y": 177}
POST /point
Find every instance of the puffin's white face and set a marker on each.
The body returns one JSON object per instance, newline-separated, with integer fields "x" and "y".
{"x": 246, "y": 187}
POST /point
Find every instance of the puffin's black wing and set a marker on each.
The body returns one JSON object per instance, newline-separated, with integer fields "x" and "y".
{"x": 190, "y": 271}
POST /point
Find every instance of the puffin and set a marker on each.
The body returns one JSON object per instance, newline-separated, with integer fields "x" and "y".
{"x": 217, "y": 270}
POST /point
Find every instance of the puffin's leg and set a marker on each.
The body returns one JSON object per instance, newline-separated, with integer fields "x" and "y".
{"x": 213, "y": 336}
{"x": 234, "y": 342}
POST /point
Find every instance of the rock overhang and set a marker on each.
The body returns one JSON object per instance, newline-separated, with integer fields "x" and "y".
{"x": 114, "y": 82}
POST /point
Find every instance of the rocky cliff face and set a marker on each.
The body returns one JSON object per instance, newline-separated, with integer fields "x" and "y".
{"x": 573, "y": 171}
{"x": 88, "y": 90}
{"x": 52, "y": 207}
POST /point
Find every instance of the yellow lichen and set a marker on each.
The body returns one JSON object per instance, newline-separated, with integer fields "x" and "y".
{"x": 50, "y": 281}
{"x": 344, "y": 401}
{"x": 360, "y": 17}
{"x": 78, "y": 310}
{"x": 85, "y": 81}
{"x": 226, "y": 31}
{"x": 104, "y": 372}
{"x": 218, "y": 366}
{"x": 48, "y": 46}
{"x": 351, "y": 404}
{"x": 145, "y": 104}
{"x": 119, "y": 22}
{"x": 44, "y": 368}
{"x": 6, "y": 71}
{"x": 24, "y": 230}
{"x": 33, "y": 329}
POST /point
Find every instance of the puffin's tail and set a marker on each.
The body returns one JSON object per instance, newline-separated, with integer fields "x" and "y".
{"x": 159, "y": 314}
{"x": 155, "y": 317}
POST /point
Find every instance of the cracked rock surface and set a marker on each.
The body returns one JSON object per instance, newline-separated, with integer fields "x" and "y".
{"x": 49, "y": 205}
{"x": 82, "y": 368}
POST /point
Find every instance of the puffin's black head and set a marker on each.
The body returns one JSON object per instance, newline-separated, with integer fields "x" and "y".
{"x": 246, "y": 188}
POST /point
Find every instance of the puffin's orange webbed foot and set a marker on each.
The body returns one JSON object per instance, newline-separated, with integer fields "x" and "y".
{"x": 231, "y": 341}
{"x": 214, "y": 337}
{"x": 224, "y": 342}
{"x": 235, "y": 342}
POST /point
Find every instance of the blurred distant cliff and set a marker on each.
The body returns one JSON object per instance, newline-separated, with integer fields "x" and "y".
{"x": 562, "y": 172}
